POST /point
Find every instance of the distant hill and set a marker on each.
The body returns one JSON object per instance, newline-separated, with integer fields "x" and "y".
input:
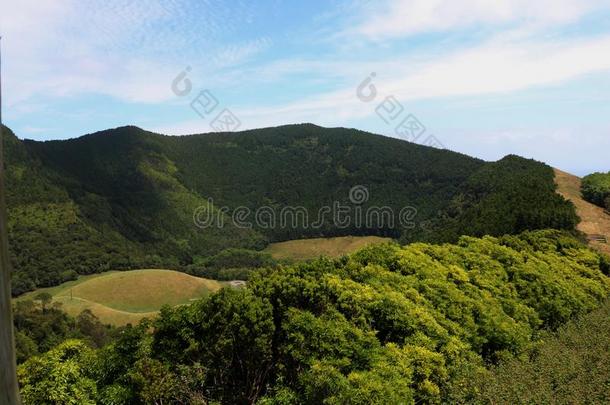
{"x": 126, "y": 198}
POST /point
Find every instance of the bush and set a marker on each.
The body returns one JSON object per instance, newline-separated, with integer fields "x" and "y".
{"x": 596, "y": 189}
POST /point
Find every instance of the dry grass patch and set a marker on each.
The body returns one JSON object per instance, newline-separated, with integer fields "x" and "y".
{"x": 143, "y": 290}
{"x": 304, "y": 249}
{"x": 594, "y": 221}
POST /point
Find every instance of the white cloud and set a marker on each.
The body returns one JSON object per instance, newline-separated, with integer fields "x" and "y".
{"x": 126, "y": 50}
{"x": 492, "y": 68}
{"x": 407, "y": 17}
{"x": 52, "y": 49}
{"x": 238, "y": 53}
{"x": 132, "y": 51}
{"x": 505, "y": 67}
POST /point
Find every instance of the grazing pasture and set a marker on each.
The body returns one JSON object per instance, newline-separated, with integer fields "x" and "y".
{"x": 123, "y": 297}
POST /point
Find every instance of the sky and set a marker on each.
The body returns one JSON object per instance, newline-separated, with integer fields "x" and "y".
{"x": 482, "y": 77}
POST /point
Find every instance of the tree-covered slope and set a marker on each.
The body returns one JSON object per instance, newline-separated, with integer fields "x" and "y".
{"x": 290, "y": 166}
{"x": 386, "y": 325}
{"x": 126, "y": 198}
{"x": 122, "y": 178}
{"x": 504, "y": 197}
{"x": 50, "y": 239}
{"x": 310, "y": 166}
{"x": 99, "y": 209}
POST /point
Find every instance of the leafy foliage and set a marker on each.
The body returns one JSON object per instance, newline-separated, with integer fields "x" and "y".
{"x": 58, "y": 376}
{"x": 231, "y": 264}
{"x": 569, "y": 366}
{"x": 41, "y": 325}
{"x": 596, "y": 189}
{"x": 388, "y": 324}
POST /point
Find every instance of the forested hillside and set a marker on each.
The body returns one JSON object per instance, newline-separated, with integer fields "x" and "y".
{"x": 50, "y": 239}
{"x": 504, "y": 197}
{"x": 126, "y": 198}
{"x": 386, "y": 325}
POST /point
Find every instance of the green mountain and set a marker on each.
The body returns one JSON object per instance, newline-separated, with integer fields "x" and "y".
{"x": 128, "y": 198}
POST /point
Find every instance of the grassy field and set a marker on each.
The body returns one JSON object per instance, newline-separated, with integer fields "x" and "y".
{"x": 122, "y": 297}
{"x": 594, "y": 221}
{"x": 125, "y": 297}
{"x": 303, "y": 249}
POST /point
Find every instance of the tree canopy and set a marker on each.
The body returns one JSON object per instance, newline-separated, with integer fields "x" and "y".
{"x": 388, "y": 324}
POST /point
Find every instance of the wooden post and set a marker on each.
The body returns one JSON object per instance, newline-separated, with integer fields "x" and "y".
{"x": 9, "y": 390}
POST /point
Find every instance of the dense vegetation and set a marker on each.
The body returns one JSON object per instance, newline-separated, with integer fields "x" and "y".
{"x": 41, "y": 325}
{"x": 509, "y": 196}
{"x": 126, "y": 198}
{"x": 567, "y": 367}
{"x": 388, "y": 324}
{"x": 596, "y": 189}
{"x": 51, "y": 241}
{"x": 231, "y": 264}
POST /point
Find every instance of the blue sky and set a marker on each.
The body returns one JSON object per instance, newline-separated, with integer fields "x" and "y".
{"x": 486, "y": 78}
